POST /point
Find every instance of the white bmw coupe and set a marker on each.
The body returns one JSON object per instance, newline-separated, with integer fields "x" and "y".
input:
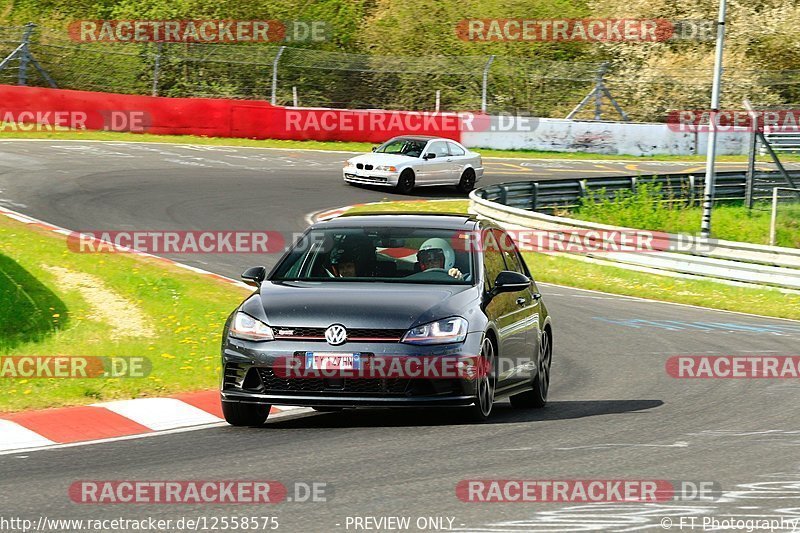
{"x": 415, "y": 161}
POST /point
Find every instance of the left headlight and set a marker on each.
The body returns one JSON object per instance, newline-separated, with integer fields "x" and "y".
{"x": 386, "y": 168}
{"x": 347, "y": 164}
{"x": 443, "y": 331}
{"x": 246, "y": 327}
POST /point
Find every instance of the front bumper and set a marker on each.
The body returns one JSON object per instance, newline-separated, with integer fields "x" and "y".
{"x": 249, "y": 375}
{"x": 370, "y": 177}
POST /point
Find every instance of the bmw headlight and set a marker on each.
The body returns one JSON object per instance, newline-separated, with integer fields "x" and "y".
{"x": 386, "y": 168}
{"x": 444, "y": 331}
{"x": 347, "y": 164}
{"x": 246, "y": 327}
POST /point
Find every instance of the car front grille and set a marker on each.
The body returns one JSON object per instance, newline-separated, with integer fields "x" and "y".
{"x": 353, "y": 335}
{"x": 362, "y": 166}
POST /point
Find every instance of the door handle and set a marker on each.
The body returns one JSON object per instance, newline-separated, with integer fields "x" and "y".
{"x": 536, "y": 296}
{"x": 521, "y": 301}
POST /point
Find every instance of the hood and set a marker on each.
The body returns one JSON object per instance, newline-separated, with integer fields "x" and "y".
{"x": 358, "y": 305}
{"x": 383, "y": 159}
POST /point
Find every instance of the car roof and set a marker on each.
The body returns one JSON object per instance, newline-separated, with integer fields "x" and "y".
{"x": 403, "y": 219}
{"x": 421, "y": 138}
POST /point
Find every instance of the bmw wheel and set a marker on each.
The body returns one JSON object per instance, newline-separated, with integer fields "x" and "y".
{"x": 406, "y": 182}
{"x": 467, "y": 182}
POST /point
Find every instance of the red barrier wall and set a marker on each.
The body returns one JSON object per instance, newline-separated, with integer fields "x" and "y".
{"x": 225, "y": 118}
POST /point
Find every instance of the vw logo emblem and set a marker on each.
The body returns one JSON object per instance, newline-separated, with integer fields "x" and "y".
{"x": 336, "y": 335}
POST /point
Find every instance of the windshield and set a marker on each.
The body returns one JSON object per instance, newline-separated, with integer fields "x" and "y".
{"x": 390, "y": 255}
{"x": 402, "y": 146}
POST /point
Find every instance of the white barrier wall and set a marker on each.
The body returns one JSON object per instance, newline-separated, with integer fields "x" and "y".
{"x": 561, "y": 135}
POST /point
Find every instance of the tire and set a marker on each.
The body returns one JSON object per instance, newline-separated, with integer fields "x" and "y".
{"x": 406, "y": 182}
{"x": 328, "y": 409}
{"x": 245, "y": 414}
{"x": 540, "y": 385}
{"x": 484, "y": 394}
{"x": 467, "y": 182}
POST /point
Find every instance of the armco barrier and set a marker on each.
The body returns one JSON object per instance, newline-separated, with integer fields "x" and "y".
{"x": 546, "y": 196}
{"x": 226, "y": 118}
{"x": 511, "y": 205}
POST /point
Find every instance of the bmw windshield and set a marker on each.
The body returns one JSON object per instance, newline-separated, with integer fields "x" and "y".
{"x": 391, "y": 255}
{"x": 402, "y": 146}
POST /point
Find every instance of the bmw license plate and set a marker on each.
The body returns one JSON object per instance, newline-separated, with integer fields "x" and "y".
{"x": 333, "y": 361}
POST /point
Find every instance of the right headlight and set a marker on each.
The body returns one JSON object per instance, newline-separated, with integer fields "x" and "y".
{"x": 246, "y": 327}
{"x": 444, "y": 331}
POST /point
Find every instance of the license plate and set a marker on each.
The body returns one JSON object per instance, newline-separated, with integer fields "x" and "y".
{"x": 333, "y": 361}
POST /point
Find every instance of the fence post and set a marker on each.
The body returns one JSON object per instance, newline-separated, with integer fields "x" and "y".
{"x": 275, "y": 75}
{"x": 294, "y": 95}
{"x": 25, "y": 54}
{"x": 598, "y": 91}
{"x": 485, "y": 83}
{"x": 438, "y": 96}
{"x": 157, "y": 67}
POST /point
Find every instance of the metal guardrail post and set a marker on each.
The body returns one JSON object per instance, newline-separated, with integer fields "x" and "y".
{"x": 773, "y": 220}
{"x": 274, "y": 97}
{"x": 751, "y": 160}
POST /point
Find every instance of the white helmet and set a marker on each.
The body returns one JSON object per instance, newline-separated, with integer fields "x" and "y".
{"x": 444, "y": 246}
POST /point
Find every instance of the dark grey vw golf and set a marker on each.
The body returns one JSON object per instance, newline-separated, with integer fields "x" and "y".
{"x": 389, "y": 310}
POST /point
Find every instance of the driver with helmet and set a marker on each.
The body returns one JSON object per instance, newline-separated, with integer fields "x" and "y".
{"x": 437, "y": 254}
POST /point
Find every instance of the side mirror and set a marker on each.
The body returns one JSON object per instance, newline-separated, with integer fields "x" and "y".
{"x": 254, "y": 275}
{"x": 509, "y": 281}
{"x": 429, "y": 155}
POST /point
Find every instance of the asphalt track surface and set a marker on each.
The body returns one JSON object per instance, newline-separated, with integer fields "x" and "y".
{"x": 614, "y": 411}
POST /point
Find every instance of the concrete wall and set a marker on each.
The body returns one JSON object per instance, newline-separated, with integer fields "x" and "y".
{"x": 560, "y": 135}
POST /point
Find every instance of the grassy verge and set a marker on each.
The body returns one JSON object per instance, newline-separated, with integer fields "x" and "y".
{"x": 64, "y": 303}
{"x": 342, "y": 146}
{"x": 572, "y": 272}
{"x": 733, "y": 222}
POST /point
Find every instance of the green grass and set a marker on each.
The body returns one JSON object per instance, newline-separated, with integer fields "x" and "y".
{"x": 572, "y": 272}
{"x": 30, "y": 311}
{"x": 341, "y": 146}
{"x": 733, "y": 221}
{"x": 186, "y": 312}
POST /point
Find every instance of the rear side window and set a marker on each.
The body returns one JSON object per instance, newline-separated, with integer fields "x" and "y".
{"x": 455, "y": 149}
{"x": 439, "y": 148}
{"x": 492, "y": 258}
{"x": 509, "y": 250}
